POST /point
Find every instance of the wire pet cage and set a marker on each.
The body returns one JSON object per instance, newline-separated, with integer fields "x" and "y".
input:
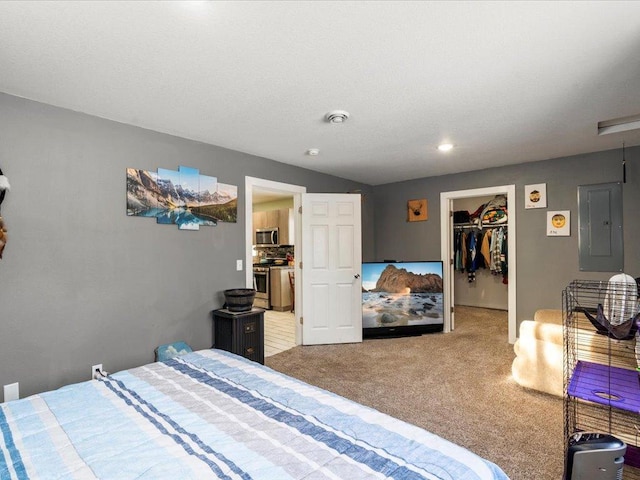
{"x": 601, "y": 380}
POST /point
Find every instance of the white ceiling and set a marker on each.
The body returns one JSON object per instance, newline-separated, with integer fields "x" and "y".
{"x": 506, "y": 82}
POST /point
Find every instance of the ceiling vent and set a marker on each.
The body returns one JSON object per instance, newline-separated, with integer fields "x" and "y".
{"x": 337, "y": 116}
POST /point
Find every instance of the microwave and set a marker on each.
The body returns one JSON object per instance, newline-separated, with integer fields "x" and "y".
{"x": 266, "y": 237}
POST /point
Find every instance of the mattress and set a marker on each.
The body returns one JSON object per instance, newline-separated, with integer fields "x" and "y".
{"x": 212, "y": 414}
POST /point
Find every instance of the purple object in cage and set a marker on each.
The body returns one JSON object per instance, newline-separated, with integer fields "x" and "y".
{"x": 606, "y": 385}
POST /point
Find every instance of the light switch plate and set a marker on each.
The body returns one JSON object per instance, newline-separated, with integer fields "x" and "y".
{"x": 239, "y": 265}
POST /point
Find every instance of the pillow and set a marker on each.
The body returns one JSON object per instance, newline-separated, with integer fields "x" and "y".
{"x": 170, "y": 350}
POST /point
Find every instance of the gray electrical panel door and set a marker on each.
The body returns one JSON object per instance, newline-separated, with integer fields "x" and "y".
{"x": 600, "y": 247}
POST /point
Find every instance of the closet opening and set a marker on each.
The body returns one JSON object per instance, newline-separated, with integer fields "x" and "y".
{"x": 480, "y": 271}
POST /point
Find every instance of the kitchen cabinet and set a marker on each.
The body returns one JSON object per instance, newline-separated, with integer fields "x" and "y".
{"x": 268, "y": 219}
{"x": 259, "y": 221}
{"x": 281, "y": 295}
{"x": 281, "y": 218}
{"x": 285, "y": 226}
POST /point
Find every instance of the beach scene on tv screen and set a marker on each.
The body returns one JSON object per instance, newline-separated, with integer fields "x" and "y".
{"x": 401, "y": 294}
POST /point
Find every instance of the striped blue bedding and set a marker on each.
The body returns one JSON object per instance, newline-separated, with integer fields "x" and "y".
{"x": 212, "y": 414}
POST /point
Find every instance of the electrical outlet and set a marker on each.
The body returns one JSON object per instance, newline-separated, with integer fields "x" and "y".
{"x": 11, "y": 392}
{"x": 239, "y": 265}
{"x": 94, "y": 370}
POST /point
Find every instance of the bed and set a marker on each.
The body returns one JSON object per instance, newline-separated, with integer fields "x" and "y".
{"x": 212, "y": 414}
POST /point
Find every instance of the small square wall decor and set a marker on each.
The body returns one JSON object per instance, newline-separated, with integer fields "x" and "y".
{"x": 417, "y": 210}
{"x": 535, "y": 196}
{"x": 559, "y": 223}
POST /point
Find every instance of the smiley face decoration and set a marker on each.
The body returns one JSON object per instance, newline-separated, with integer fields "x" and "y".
{"x": 4, "y": 187}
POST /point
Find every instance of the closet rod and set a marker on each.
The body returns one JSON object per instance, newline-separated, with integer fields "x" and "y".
{"x": 477, "y": 226}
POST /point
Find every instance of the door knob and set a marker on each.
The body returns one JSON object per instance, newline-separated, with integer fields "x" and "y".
{"x": 357, "y": 275}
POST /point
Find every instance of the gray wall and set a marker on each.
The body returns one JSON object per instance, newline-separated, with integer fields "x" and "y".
{"x": 80, "y": 282}
{"x": 545, "y": 265}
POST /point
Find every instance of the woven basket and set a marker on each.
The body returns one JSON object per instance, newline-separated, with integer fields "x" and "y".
{"x": 239, "y": 299}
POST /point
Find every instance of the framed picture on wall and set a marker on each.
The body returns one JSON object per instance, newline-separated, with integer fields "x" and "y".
{"x": 535, "y": 196}
{"x": 559, "y": 223}
{"x": 417, "y": 210}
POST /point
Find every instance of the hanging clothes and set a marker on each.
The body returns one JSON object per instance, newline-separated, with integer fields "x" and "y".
{"x": 479, "y": 260}
{"x": 471, "y": 257}
{"x": 464, "y": 250}
{"x": 457, "y": 249}
{"x": 485, "y": 248}
{"x": 496, "y": 251}
{"x": 478, "y": 249}
{"x": 503, "y": 257}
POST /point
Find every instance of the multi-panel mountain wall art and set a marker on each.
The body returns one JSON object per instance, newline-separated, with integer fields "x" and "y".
{"x": 182, "y": 197}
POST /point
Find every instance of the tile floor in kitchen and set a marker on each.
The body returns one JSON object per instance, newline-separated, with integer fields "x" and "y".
{"x": 279, "y": 332}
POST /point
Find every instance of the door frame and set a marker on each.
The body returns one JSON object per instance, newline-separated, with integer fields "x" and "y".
{"x": 277, "y": 187}
{"x": 447, "y": 254}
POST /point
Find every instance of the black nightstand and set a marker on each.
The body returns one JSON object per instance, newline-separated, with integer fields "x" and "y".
{"x": 241, "y": 333}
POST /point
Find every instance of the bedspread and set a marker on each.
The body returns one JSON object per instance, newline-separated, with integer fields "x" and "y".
{"x": 212, "y": 414}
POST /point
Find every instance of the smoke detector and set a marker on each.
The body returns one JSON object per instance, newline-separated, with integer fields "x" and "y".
{"x": 337, "y": 116}
{"x": 313, "y": 152}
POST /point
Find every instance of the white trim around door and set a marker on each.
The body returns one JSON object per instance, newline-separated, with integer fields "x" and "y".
{"x": 446, "y": 248}
{"x": 251, "y": 183}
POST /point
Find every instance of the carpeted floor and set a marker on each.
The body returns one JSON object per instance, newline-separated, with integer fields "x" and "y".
{"x": 457, "y": 385}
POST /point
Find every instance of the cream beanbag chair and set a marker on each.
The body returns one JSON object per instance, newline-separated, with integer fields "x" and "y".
{"x": 539, "y": 362}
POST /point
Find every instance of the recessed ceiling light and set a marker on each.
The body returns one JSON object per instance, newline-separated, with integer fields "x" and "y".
{"x": 337, "y": 116}
{"x": 313, "y": 152}
{"x": 445, "y": 147}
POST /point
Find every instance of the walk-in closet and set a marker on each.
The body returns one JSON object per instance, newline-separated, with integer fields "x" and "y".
{"x": 480, "y": 252}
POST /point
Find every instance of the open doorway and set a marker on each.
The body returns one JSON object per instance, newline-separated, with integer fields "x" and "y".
{"x": 447, "y": 250}
{"x": 282, "y": 328}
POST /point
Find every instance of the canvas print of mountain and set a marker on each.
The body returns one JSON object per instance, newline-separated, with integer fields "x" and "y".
{"x": 183, "y": 197}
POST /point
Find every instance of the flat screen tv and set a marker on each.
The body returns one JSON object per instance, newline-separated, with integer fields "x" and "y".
{"x": 402, "y": 298}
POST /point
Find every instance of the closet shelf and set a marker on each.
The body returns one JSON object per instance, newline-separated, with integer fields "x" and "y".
{"x": 473, "y": 225}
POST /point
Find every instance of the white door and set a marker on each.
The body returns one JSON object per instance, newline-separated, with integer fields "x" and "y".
{"x": 331, "y": 269}
{"x": 450, "y": 269}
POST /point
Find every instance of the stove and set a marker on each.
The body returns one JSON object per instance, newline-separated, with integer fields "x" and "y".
{"x": 261, "y": 282}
